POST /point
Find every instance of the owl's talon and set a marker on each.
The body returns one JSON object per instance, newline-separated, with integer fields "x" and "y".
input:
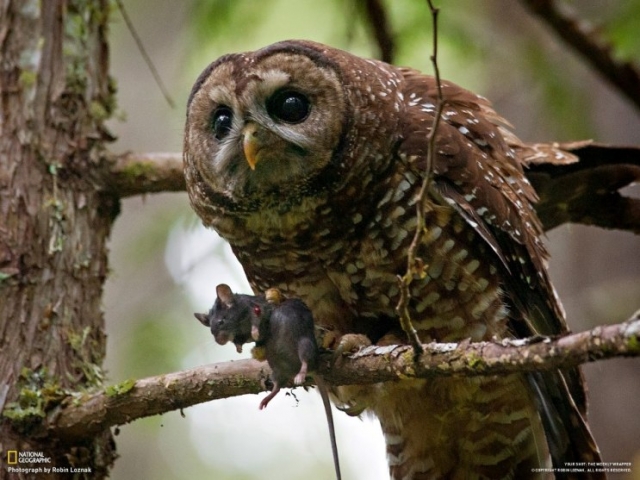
{"x": 349, "y": 344}
{"x": 352, "y": 343}
{"x": 259, "y": 353}
{"x": 352, "y": 410}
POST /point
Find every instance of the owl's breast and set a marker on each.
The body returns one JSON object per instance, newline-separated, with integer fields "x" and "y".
{"x": 455, "y": 294}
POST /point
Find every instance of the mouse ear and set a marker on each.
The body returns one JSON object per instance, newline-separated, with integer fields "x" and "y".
{"x": 204, "y": 319}
{"x": 224, "y": 293}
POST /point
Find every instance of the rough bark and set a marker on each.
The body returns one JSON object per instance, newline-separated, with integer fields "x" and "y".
{"x": 54, "y": 222}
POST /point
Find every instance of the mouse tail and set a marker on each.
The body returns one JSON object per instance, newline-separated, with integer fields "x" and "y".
{"x": 324, "y": 394}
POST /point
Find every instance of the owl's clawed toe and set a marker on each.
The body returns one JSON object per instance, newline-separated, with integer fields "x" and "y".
{"x": 352, "y": 410}
{"x": 349, "y": 344}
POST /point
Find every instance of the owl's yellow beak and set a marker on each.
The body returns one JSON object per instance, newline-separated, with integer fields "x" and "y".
{"x": 251, "y": 144}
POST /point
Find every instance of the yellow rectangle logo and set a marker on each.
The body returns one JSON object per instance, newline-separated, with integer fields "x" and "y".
{"x": 12, "y": 457}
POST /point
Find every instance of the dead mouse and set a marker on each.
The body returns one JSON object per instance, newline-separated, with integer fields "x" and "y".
{"x": 230, "y": 318}
{"x": 284, "y": 328}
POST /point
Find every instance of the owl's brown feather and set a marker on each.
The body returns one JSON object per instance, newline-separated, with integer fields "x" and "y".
{"x": 330, "y": 217}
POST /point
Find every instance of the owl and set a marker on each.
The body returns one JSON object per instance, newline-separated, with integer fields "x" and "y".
{"x": 309, "y": 160}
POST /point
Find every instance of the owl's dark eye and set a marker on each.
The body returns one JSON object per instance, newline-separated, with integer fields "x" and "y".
{"x": 289, "y": 106}
{"x": 221, "y": 122}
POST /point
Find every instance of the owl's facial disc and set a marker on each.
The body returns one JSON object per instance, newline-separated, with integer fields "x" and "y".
{"x": 267, "y": 124}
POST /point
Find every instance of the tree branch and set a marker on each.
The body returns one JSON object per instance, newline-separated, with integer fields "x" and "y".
{"x": 128, "y": 401}
{"x": 140, "y": 173}
{"x": 577, "y": 33}
{"x": 120, "y": 404}
{"x": 588, "y": 191}
{"x": 379, "y": 23}
{"x": 585, "y": 192}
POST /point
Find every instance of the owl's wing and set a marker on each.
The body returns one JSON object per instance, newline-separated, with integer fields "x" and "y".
{"x": 478, "y": 173}
{"x": 477, "y": 170}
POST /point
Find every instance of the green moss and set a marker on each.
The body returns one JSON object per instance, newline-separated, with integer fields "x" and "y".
{"x": 634, "y": 343}
{"x": 27, "y": 78}
{"x": 139, "y": 169}
{"x": 85, "y": 358}
{"x": 4, "y": 275}
{"x": 98, "y": 111}
{"x": 80, "y": 35}
{"x": 475, "y": 360}
{"x": 120, "y": 388}
{"x": 77, "y": 340}
{"x": 38, "y": 393}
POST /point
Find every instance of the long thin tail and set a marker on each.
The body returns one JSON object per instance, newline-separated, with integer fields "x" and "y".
{"x": 324, "y": 393}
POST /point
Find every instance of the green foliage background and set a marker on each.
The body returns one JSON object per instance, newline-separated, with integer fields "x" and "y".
{"x": 165, "y": 266}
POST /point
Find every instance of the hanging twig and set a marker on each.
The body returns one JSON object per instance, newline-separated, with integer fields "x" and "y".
{"x": 379, "y": 22}
{"x": 414, "y": 264}
{"x": 145, "y": 55}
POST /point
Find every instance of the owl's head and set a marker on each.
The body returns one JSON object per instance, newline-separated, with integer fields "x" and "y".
{"x": 276, "y": 124}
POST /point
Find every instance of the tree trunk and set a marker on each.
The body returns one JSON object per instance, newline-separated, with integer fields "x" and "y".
{"x": 54, "y": 223}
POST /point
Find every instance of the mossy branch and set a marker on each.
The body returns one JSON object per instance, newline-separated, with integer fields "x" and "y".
{"x": 80, "y": 417}
{"x": 141, "y": 173}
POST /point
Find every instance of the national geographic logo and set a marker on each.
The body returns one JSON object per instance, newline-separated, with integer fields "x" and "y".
{"x": 27, "y": 462}
{"x": 30, "y": 462}
{"x": 15, "y": 456}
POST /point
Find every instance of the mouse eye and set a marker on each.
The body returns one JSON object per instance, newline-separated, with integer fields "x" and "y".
{"x": 221, "y": 122}
{"x": 289, "y": 106}
{"x": 257, "y": 310}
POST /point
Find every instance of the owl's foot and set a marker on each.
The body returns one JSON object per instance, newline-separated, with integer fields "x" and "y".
{"x": 259, "y": 353}
{"x": 274, "y": 296}
{"x": 353, "y": 410}
{"x": 352, "y": 343}
{"x": 349, "y": 344}
{"x": 327, "y": 338}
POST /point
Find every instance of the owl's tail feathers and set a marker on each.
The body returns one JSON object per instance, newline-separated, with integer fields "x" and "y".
{"x": 570, "y": 441}
{"x": 463, "y": 428}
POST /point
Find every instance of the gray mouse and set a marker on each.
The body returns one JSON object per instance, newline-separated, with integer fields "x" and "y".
{"x": 231, "y": 318}
{"x": 284, "y": 332}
